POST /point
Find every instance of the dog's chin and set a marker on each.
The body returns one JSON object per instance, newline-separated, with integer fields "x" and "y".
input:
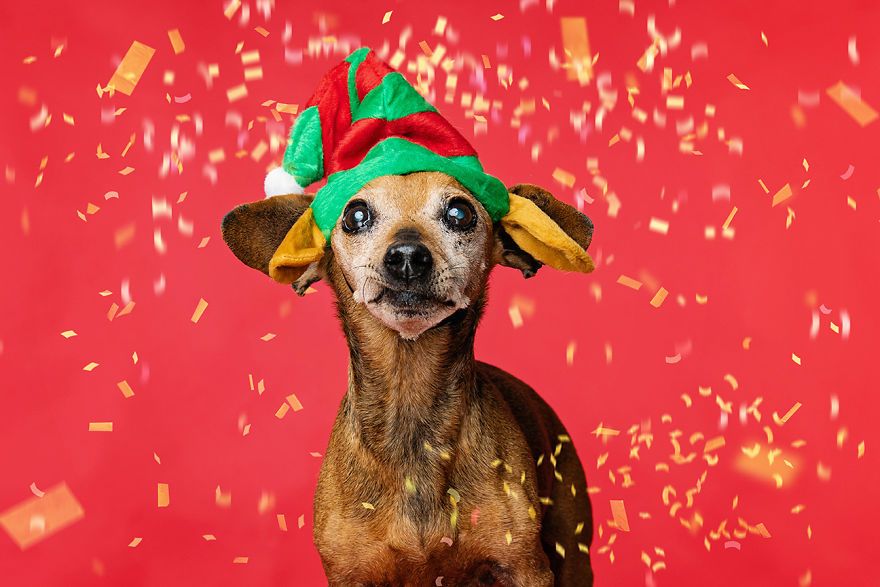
{"x": 411, "y": 313}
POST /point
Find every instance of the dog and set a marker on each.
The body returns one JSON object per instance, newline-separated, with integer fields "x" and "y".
{"x": 440, "y": 469}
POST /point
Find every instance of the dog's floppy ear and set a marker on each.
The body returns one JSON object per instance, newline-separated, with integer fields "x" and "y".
{"x": 541, "y": 230}
{"x": 260, "y": 234}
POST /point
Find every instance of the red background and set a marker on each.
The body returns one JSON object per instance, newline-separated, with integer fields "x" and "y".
{"x": 192, "y": 394}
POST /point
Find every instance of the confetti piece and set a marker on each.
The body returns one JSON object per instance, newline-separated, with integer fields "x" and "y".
{"x": 176, "y": 41}
{"x": 68, "y": 333}
{"x": 132, "y": 67}
{"x": 790, "y": 412}
{"x": 795, "y": 358}
{"x": 263, "y": 32}
{"x": 783, "y": 194}
{"x": 729, "y": 218}
{"x": 658, "y": 298}
{"x": 294, "y": 402}
{"x": 673, "y": 359}
{"x": 563, "y": 177}
{"x": 240, "y": 560}
{"x": 861, "y": 449}
{"x": 577, "y": 49}
{"x": 56, "y": 509}
{"x": 852, "y": 104}
{"x": 732, "y": 544}
{"x": 387, "y": 17}
{"x": 200, "y": 309}
{"x": 156, "y": 458}
{"x": 735, "y": 81}
{"x": 126, "y": 170}
{"x": 618, "y": 511}
{"x": 446, "y": 540}
{"x": 569, "y": 353}
{"x": 851, "y": 51}
{"x": 90, "y": 366}
{"x": 282, "y": 522}
{"x": 497, "y": 17}
{"x": 100, "y": 426}
{"x": 268, "y": 336}
{"x": 282, "y": 411}
{"x": 629, "y": 282}
{"x": 134, "y": 542}
{"x": 713, "y": 444}
{"x": 508, "y": 537}
{"x": 231, "y": 8}
{"x": 659, "y": 226}
{"x": 209, "y": 537}
{"x": 162, "y": 496}
{"x": 367, "y": 505}
{"x": 125, "y": 388}
{"x": 848, "y": 173}
{"x": 236, "y": 93}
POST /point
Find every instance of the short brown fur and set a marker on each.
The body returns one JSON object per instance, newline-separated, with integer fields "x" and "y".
{"x": 430, "y": 444}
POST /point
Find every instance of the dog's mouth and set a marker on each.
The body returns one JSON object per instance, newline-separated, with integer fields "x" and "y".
{"x": 412, "y": 311}
{"x": 410, "y": 300}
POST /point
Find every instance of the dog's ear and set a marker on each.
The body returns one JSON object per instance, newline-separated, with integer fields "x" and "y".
{"x": 540, "y": 230}
{"x": 255, "y": 232}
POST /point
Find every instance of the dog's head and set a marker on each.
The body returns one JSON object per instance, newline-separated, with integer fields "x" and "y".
{"x": 411, "y": 249}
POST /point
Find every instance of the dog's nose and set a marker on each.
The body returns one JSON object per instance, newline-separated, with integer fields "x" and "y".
{"x": 406, "y": 261}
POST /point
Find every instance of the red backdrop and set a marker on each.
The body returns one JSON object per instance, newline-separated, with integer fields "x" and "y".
{"x": 662, "y": 400}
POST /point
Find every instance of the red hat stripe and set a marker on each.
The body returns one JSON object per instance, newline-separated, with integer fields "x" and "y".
{"x": 370, "y": 74}
{"x": 428, "y": 129}
{"x": 334, "y": 109}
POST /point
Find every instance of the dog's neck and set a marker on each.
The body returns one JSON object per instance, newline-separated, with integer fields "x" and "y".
{"x": 407, "y": 397}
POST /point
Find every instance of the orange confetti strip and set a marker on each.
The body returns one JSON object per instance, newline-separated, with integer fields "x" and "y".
{"x": 729, "y": 218}
{"x": 163, "y": 498}
{"x": 90, "y": 366}
{"x": 286, "y": 108}
{"x": 100, "y": 426}
{"x": 618, "y": 510}
{"x": 564, "y": 177}
{"x": 204, "y": 242}
{"x": 134, "y": 542}
{"x": 301, "y": 521}
{"x": 230, "y": 10}
{"x": 602, "y": 431}
{"x": 209, "y": 537}
{"x": 252, "y": 73}
{"x": 282, "y": 522}
{"x": 577, "y": 48}
{"x": 658, "y": 298}
{"x": 126, "y": 310}
{"x": 240, "y": 560}
{"x": 735, "y": 81}
{"x": 713, "y": 444}
{"x": 236, "y": 93}
{"x": 659, "y": 226}
{"x": 261, "y": 31}
{"x": 294, "y": 402}
{"x": 132, "y": 67}
{"x": 38, "y": 518}
{"x": 125, "y": 388}
{"x": 783, "y": 194}
{"x": 629, "y": 282}
{"x": 852, "y": 104}
{"x": 795, "y": 358}
{"x": 126, "y": 171}
{"x": 282, "y": 411}
{"x": 268, "y": 336}
{"x": 790, "y": 412}
{"x": 497, "y": 17}
{"x": 200, "y": 309}
{"x": 176, "y": 41}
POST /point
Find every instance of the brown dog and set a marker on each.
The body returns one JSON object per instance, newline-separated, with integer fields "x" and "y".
{"x": 440, "y": 470}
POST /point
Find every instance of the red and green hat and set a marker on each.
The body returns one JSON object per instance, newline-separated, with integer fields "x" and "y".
{"x": 365, "y": 121}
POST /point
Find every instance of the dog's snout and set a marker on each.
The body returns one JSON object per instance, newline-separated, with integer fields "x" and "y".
{"x": 407, "y": 260}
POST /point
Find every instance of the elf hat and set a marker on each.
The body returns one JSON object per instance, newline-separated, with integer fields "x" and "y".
{"x": 365, "y": 121}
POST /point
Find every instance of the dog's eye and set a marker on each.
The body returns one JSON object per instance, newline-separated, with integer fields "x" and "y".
{"x": 357, "y": 217}
{"x": 459, "y": 214}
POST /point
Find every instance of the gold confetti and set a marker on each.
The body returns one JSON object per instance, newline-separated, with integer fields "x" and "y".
{"x": 126, "y": 170}
{"x": 658, "y": 225}
{"x": 231, "y": 9}
{"x": 563, "y": 177}
{"x": 90, "y": 366}
{"x": 132, "y": 67}
{"x": 68, "y": 333}
{"x": 209, "y": 537}
{"x": 367, "y": 505}
{"x": 793, "y": 409}
{"x": 783, "y": 194}
{"x": 282, "y": 410}
{"x": 294, "y": 402}
{"x": 569, "y": 353}
{"x": 618, "y": 511}
{"x": 852, "y": 104}
{"x": 100, "y": 426}
{"x": 240, "y": 560}
{"x": 795, "y": 358}
{"x": 508, "y": 537}
{"x": 134, "y": 542}
{"x": 54, "y": 511}
{"x": 282, "y": 522}
{"x": 176, "y": 41}
{"x": 735, "y": 81}
{"x": 236, "y": 93}
{"x": 125, "y": 388}
{"x": 576, "y": 42}
{"x": 713, "y": 444}
{"x": 261, "y": 31}
{"x": 200, "y": 309}
{"x": 729, "y": 218}
{"x": 387, "y": 17}
{"x": 861, "y": 449}
{"x": 497, "y": 17}
{"x": 658, "y": 298}
{"x": 163, "y": 498}
{"x": 629, "y": 282}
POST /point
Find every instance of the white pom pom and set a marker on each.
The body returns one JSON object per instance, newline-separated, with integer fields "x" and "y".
{"x": 279, "y": 183}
